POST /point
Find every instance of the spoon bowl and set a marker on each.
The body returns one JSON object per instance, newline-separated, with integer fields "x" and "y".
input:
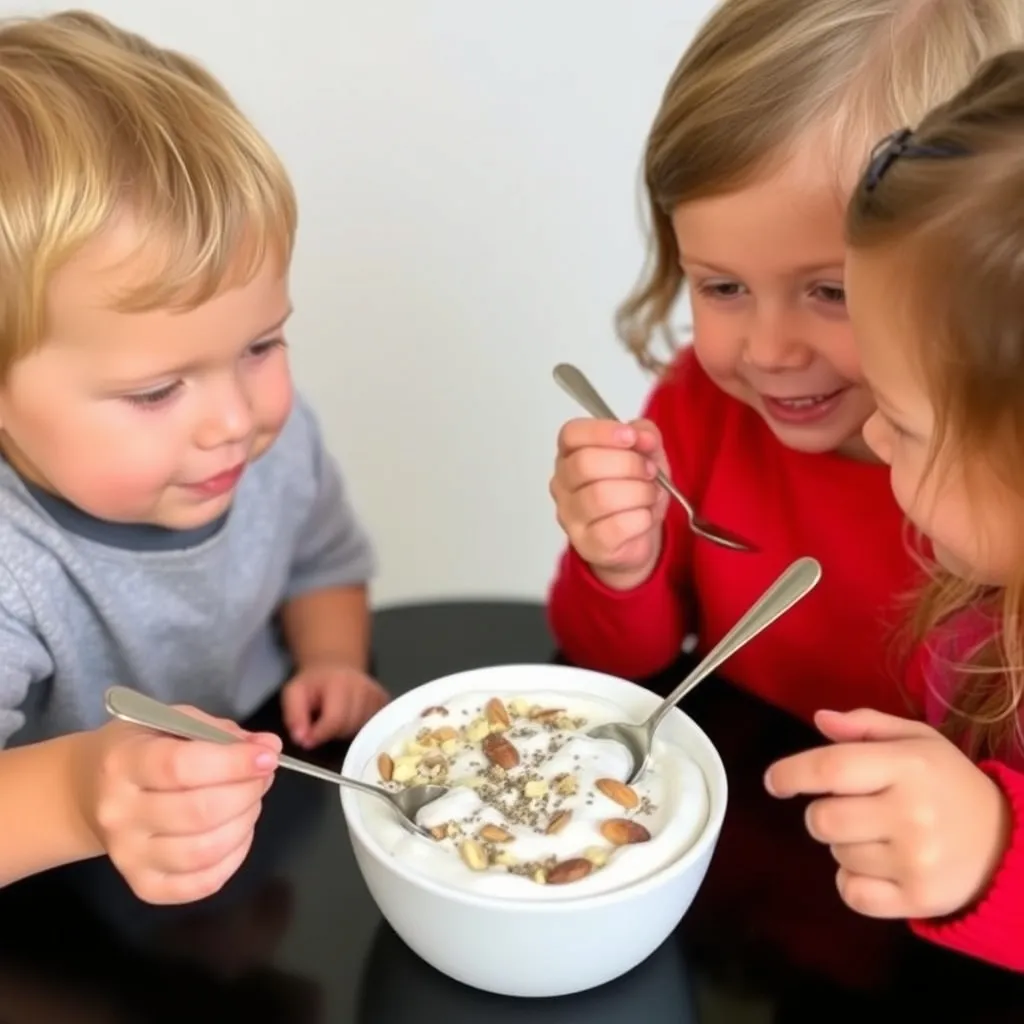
{"x": 140, "y": 709}
{"x": 574, "y": 382}
{"x": 793, "y": 584}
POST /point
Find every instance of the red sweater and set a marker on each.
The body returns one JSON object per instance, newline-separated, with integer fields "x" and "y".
{"x": 832, "y": 650}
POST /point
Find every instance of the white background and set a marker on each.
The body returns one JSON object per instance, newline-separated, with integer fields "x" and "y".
{"x": 467, "y": 173}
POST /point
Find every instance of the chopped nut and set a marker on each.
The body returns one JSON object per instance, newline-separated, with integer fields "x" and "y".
{"x": 495, "y": 834}
{"x": 519, "y": 707}
{"x": 546, "y": 715}
{"x": 570, "y": 871}
{"x": 449, "y": 746}
{"x": 566, "y": 785}
{"x": 540, "y": 877}
{"x": 497, "y": 714}
{"x": 386, "y": 767}
{"x": 622, "y": 832}
{"x": 435, "y": 710}
{"x": 504, "y": 859}
{"x": 597, "y": 855}
{"x": 500, "y": 752}
{"x": 622, "y": 794}
{"x": 477, "y": 730}
{"x": 439, "y": 832}
{"x": 473, "y": 855}
{"x": 405, "y": 768}
{"x": 535, "y": 788}
{"x": 444, "y": 734}
{"x": 558, "y": 821}
{"x": 434, "y": 765}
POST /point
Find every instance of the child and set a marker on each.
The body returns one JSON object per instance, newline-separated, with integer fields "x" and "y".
{"x": 169, "y": 517}
{"x": 760, "y": 136}
{"x": 936, "y": 279}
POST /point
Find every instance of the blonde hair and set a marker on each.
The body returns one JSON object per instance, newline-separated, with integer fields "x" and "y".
{"x": 95, "y": 123}
{"x": 946, "y": 201}
{"x": 761, "y": 74}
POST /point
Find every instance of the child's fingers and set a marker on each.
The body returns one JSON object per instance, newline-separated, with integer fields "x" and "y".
{"x": 299, "y": 705}
{"x": 612, "y": 497}
{"x": 333, "y": 717}
{"x": 176, "y": 854}
{"x": 872, "y": 897}
{"x": 586, "y": 465}
{"x": 868, "y": 724}
{"x": 591, "y": 433}
{"x": 160, "y": 887}
{"x": 196, "y": 811}
{"x": 844, "y": 769}
{"x": 163, "y": 763}
{"x": 847, "y": 819}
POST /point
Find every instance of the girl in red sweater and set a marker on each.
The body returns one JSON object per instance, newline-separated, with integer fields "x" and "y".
{"x": 926, "y": 821}
{"x": 761, "y": 133}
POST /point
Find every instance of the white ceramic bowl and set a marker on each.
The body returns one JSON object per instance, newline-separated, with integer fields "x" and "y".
{"x": 544, "y": 947}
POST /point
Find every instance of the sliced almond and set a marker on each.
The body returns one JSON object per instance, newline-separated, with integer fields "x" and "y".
{"x": 444, "y": 734}
{"x": 597, "y": 855}
{"x": 386, "y": 767}
{"x": 623, "y": 832}
{"x": 435, "y": 710}
{"x": 499, "y": 751}
{"x": 546, "y": 714}
{"x": 439, "y": 832}
{"x": 540, "y": 877}
{"x": 434, "y": 765}
{"x": 535, "y": 788}
{"x": 558, "y": 821}
{"x": 569, "y": 871}
{"x": 495, "y": 834}
{"x": 497, "y": 713}
{"x": 622, "y": 794}
{"x": 474, "y": 856}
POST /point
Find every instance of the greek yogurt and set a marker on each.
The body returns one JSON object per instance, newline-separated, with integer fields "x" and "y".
{"x": 536, "y": 809}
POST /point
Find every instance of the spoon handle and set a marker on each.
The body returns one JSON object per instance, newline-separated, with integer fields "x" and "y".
{"x": 141, "y": 709}
{"x": 573, "y": 381}
{"x": 795, "y": 582}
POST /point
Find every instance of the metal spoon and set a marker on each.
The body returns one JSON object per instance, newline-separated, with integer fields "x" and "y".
{"x": 575, "y": 383}
{"x": 797, "y": 581}
{"x": 140, "y": 709}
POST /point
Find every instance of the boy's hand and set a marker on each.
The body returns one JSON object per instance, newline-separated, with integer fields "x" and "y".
{"x": 328, "y": 701}
{"x": 176, "y": 817}
{"x": 917, "y": 829}
{"x": 608, "y": 502}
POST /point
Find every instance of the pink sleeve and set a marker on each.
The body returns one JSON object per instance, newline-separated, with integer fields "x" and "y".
{"x": 993, "y": 929}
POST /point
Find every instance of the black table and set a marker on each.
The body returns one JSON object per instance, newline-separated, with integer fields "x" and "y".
{"x": 295, "y": 938}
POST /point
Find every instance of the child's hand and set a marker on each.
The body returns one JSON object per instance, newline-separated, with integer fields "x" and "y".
{"x": 176, "y": 817}
{"x": 325, "y": 702}
{"x": 916, "y": 828}
{"x": 608, "y": 502}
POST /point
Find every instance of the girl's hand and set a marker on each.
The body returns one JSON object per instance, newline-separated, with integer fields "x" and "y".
{"x": 917, "y": 829}
{"x": 606, "y": 497}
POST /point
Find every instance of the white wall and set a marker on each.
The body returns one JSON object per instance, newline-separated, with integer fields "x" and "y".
{"x": 467, "y": 174}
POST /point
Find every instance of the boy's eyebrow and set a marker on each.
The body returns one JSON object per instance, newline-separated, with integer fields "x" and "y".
{"x": 809, "y": 268}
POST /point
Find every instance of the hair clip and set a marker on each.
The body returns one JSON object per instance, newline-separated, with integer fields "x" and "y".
{"x": 899, "y": 144}
{"x": 884, "y": 155}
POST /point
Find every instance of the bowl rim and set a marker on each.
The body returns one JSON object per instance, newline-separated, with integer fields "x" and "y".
{"x": 707, "y": 837}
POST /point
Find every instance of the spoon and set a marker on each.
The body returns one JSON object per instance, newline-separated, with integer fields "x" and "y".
{"x": 139, "y": 709}
{"x": 575, "y": 383}
{"x": 797, "y": 581}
